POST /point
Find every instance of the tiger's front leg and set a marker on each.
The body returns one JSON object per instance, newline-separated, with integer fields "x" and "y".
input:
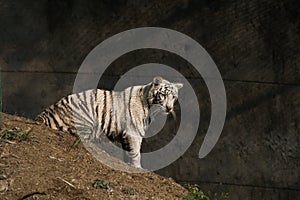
{"x": 132, "y": 145}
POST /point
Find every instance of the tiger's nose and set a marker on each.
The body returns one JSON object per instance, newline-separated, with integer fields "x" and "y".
{"x": 169, "y": 108}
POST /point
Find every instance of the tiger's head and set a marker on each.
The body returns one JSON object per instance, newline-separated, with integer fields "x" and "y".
{"x": 164, "y": 94}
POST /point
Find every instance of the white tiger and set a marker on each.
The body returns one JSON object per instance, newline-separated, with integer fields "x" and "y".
{"x": 123, "y": 116}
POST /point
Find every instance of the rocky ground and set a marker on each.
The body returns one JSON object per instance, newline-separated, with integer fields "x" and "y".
{"x": 39, "y": 163}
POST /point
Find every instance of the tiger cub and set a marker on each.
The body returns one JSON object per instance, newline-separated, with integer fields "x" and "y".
{"x": 122, "y": 116}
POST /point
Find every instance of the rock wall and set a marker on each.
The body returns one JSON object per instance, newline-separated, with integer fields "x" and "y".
{"x": 255, "y": 45}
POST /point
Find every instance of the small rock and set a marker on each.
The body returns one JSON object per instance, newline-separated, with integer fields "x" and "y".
{"x": 109, "y": 190}
{"x": 3, "y": 185}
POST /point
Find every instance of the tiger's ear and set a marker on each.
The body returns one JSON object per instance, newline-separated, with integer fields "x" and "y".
{"x": 157, "y": 80}
{"x": 178, "y": 85}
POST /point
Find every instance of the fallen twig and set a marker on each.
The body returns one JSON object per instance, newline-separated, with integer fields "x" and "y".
{"x": 70, "y": 184}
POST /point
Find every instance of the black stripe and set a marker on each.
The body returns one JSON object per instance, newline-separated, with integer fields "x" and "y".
{"x": 109, "y": 113}
{"x": 116, "y": 126}
{"x": 69, "y": 106}
{"x": 78, "y": 96}
{"x": 67, "y": 109}
{"x": 129, "y": 100}
{"x": 57, "y": 110}
{"x": 129, "y": 108}
{"x": 86, "y": 106}
{"x": 83, "y": 107}
{"x": 67, "y": 99}
{"x": 60, "y": 107}
{"x": 47, "y": 119}
{"x": 64, "y": 106}
{"x": 73, "y": 104}
{"x": 97, "y": 111}
{"x": 103, "y": 111}
{"x": 51, "y": 114}
{"x": 92, "y": 100}
{"x": 97, "y": 106}
{"x": 125, "y": 109}
{"x": 146, "y": 93}
{"x": 142, "y": 96}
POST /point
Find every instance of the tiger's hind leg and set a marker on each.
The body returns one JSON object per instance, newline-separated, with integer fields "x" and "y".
{"x": 132, "y": 145}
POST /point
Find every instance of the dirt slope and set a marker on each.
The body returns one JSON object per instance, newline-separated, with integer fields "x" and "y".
{"x": 39, "y": 163}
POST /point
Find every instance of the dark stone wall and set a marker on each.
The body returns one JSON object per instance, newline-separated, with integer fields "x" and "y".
{"x": 255, "y": 45}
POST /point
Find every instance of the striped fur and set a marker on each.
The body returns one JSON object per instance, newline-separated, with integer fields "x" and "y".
{"x": 123, "y": 116}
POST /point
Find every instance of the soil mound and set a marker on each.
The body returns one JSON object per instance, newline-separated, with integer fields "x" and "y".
{"x": 39, "y": 163}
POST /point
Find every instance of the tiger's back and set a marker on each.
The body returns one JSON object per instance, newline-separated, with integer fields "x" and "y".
{"x": 98, "y": 111}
